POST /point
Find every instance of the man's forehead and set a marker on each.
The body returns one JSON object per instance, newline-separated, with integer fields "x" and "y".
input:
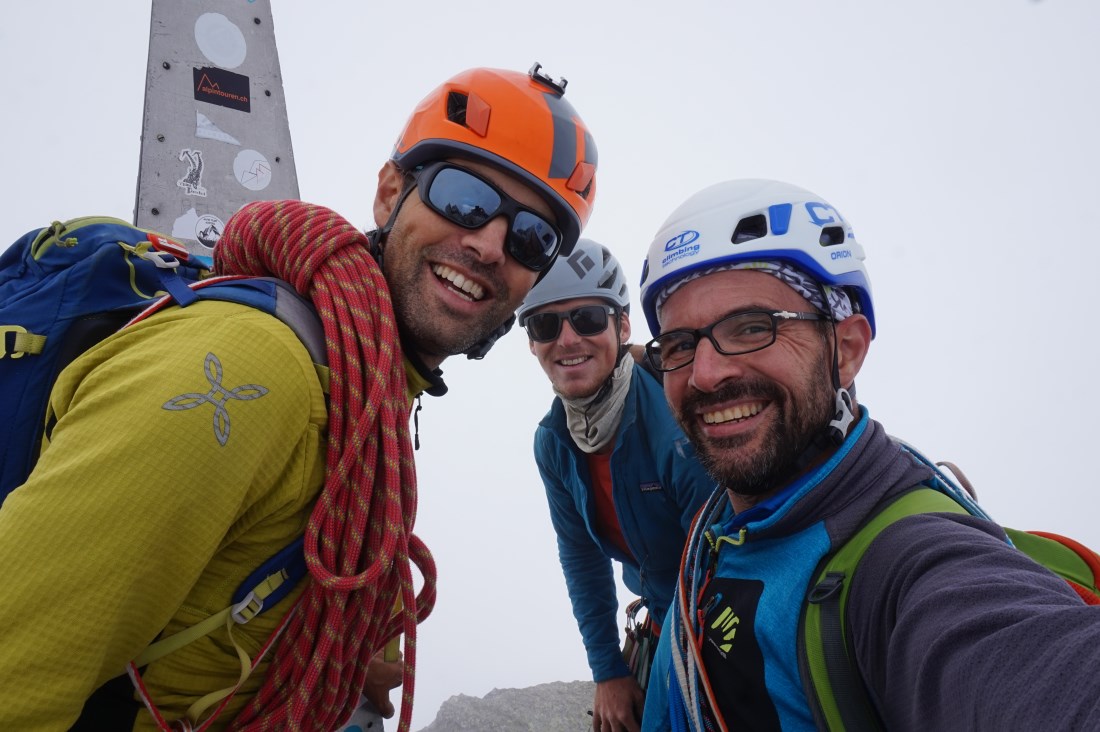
{"x": 728, "y": 291}
{"x": 563, "y": 305}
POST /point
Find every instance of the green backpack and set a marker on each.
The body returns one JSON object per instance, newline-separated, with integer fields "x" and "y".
{"x": 833, "y": 685}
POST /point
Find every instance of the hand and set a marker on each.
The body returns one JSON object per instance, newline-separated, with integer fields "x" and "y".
{"x": 618, "y": 705}
{"x": 382, "y": 676}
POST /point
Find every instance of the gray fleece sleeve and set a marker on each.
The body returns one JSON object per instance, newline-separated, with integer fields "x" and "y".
{"x": 955, "y": 630}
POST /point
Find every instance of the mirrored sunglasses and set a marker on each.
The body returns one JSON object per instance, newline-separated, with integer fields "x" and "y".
{"x": 468, "y": 200}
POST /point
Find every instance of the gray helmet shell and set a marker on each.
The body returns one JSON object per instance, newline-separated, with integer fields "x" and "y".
{"x": 590, "y": 270}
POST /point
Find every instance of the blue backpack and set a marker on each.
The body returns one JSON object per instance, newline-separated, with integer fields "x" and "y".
{"x": 65, "y": 287}
{"x": 62, "y": 289}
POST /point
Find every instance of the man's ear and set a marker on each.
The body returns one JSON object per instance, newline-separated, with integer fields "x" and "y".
{"x": 625, "y": 334}
{"x": 391, "y": 181}
{"x": 853, "y": 336}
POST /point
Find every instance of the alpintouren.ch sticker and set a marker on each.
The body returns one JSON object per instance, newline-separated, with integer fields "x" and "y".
{"x": 221, "y": 87}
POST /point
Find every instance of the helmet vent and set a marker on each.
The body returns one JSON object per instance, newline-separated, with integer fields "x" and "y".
{"x": 749, "y": 228}
{"x": 608, "y": 279}
{"x": 831, "y": 236}
{"x": 456, "y": 107}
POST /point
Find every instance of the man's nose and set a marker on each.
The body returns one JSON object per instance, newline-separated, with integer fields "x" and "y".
{"x": 710, "y": 368}
{"x": 488, "y": 241}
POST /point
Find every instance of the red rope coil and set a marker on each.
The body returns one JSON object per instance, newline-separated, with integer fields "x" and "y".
{"x": 359, "y": 540}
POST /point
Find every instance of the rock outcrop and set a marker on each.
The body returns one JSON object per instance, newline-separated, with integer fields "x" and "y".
{"x": 561, "y": 706}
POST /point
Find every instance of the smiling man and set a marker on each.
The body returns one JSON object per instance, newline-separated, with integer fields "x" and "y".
{"x": 620, "y": 478}
{"x": 204, "y": 439}
{"x": 763, "y": 308}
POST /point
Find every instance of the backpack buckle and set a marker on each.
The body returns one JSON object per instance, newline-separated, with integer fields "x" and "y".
{"x": 248, "y": 608}
{"x": 16, "y": 342}
{"x": 162, "y": 260}
{"x": 828, "y": 588}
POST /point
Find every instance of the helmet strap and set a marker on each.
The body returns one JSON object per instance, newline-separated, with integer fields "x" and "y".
{"x": 377, "y": 237}
{"x": 620, "y": 351}
{"x": 837, "y": 429}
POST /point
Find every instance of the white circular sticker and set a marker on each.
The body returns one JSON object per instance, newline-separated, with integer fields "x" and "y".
{"x": 252, "y": 170}
{"x": 220, "y": 40}
{"x": 208, "y": 230}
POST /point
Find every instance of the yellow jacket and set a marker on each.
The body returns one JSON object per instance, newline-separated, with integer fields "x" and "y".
{"x": 187, "y": 449}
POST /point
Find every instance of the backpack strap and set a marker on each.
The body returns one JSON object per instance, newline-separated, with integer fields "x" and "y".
{"x": 261, "y": 590}
{"x": 15, "y": 342}
{"x": 1074, "y": 562}
{"x": 276, "y": 577}
{"x": 830, "y": 677}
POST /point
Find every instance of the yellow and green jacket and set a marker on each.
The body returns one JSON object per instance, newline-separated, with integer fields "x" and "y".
{"x": 184, "y": 451}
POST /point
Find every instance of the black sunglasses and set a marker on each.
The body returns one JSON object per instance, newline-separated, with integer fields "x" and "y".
{"x": 587, "y": 320}
{"x": 465, "y": 198}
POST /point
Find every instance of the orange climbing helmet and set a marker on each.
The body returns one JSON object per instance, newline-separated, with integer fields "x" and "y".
{"x": 517, "y": 122}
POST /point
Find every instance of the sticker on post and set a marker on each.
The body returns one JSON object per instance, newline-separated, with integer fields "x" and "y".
{"x": 252, "y": 170}
{"x": 191, "y": 183}
{"x": 221, "y": 87}
{"x": 206, "y": 129}
{"x": 205, "y": 229}
{"x": 220, "y": 40}
{"x": 208, "y": 230}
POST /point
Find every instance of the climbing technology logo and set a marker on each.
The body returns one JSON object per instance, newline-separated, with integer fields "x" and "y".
{"x": 680, "y": 246}
{"x": 218, "y": 395}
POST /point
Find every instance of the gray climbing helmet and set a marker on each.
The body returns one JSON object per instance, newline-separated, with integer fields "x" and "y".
{"x": 590, "y": 270}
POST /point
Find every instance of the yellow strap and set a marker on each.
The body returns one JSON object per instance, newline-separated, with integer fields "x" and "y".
{"x": 195, "y": 711}
{"x": 22, "y": 342}
{"x": 240, "y": 613}
{"x": 392, "y": 650}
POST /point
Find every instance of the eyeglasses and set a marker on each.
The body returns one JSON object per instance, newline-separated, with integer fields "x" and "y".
{"x": 587, "y": 320}
{"x": 465, "y": 198}
{"x": 733, "y": 335}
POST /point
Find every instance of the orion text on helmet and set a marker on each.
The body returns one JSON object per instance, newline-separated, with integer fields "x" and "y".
{"x": 682, "y": 245}
{"x": 842, "y": 254}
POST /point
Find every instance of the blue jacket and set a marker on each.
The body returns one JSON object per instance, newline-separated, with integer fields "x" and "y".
{"x": 657, "y": 486}
{"x": 951, "y": 627}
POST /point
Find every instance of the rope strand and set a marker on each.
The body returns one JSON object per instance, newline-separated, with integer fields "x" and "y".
{"x": 359, "y": 544}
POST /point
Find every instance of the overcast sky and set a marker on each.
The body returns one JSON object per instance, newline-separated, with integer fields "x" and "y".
{"x": 959, "y": 137}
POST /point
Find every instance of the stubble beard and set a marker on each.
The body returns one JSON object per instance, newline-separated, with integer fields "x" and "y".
{"x": 777, "y": 456}
{"x": 424, "y": 324}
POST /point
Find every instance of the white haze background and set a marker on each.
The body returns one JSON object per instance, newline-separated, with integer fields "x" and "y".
{"x": 958, "y": 137}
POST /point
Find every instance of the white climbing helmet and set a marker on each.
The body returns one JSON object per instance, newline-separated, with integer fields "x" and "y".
{"x": 756, "y": 220}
